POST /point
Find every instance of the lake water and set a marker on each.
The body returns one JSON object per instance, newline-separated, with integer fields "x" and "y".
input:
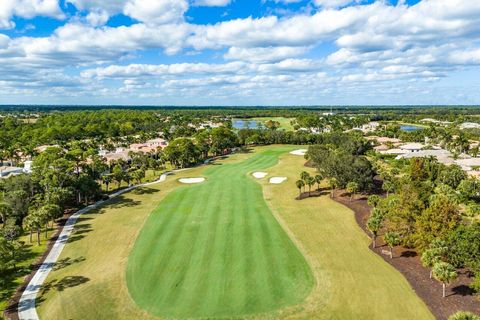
{"x": 243, "y": 124}
{"x": 410, "y": 128}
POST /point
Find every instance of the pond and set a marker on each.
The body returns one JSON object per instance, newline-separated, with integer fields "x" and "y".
{"x": 410, "y": 128}
{"x": 244, "y": 124}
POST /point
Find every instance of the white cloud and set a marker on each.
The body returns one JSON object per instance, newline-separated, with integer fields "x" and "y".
{"x": 97, "y": 17}
{"x": 112, "y": 7}
{"x": 212, "y": 3}
{"x": 27, "y": 9}
{"x": 377, "y": 44}
{"x": 156, "y": 12}
{"x": 334, "y": 3}
{"x": 150, "y": 12}
{"x": 149, "y": 70}
{"x": 264, "y": 54}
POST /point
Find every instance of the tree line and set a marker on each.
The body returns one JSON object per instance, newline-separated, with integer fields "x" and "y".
{"x": 427, "y": 207}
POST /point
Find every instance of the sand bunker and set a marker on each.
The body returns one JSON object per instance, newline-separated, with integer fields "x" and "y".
{"x": 259, "y": 175}
{"x": 191, "y": 180}
{"x": 299, "y": 152}
{"x": 277, "y": 180}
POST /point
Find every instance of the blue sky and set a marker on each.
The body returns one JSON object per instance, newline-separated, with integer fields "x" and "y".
{"x": 239, "y": 52}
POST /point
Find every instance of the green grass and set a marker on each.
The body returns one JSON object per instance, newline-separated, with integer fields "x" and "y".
{"x": 351, "y": 282}
{"x": 284, "y": 122}
{"x": 215, "y": 250}
{"x": 13, "y": 279}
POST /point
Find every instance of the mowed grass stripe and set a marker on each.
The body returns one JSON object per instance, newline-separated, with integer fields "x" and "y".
{"x": 164, "y": 245}
{"x": 203, "y": 251}
{"x": 175, "y": 262}
{"x": 223, "y": 254}
{"x": 190, "y": 232}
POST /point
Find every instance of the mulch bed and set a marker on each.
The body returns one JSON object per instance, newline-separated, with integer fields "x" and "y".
{"x": 11, "y": 312}
{"x": 459, "y": 296}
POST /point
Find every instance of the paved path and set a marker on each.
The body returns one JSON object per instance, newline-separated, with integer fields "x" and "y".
{"x": 26, "y": 306}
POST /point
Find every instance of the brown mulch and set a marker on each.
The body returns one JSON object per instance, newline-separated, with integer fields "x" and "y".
{"x": 459, "y": 296}
{"x": 11, "y": 312}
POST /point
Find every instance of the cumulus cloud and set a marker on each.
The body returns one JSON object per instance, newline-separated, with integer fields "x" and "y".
{"x": 112, "y": 7}
{"x": 150, "y": 12}
{"x": 212, "y": 3}
{"x": 156, "y": 12}
{"x": 264, "y": 54}
{"x": 27, "y": 9}
{"x": 97, "y": 17}
{"x": 372, "y": 43}
{"x": 334, "y": 3}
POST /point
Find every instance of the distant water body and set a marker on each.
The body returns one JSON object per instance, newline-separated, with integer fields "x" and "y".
{"x": 245, "y": 124}
{"x": 410, "y": 128}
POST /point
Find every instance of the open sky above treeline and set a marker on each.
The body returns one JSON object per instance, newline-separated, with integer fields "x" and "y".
{"x": 240, "y": 52}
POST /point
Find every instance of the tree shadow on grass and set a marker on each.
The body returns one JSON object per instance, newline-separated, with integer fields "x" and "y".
{"x": 313, "y": 194}
{"x": 63, "y": 263}
{"x": 145, "y": 190}
{"x": 64, "y": 283}
{"x": 245, "y": 150}
{"x": 120, "y": 202}
{"x": 79, "y": 232}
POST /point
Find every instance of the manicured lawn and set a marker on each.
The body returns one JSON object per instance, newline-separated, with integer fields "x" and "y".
{"x": 215, "y": 250}
{"x": 284, "y": 122}
{"x": 351, "y": 282}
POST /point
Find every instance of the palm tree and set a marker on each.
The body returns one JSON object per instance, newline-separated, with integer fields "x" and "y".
{"x": 304, "y": 175}
{"x": 29, "y": 224}
{"x": 375, "y": 224}
{"x": 107, "y": 179}
{"x": 318, "y": 180}
{"x": 52, "y": 212}
{"x": 388, "y": 186}
{"x": 310, "y": 182}
{"x": 373, "y": 200}
{"x": 35, "y": 222}
{"x": 464, "y": 315}
{"x": 300, "y": 184}
{"x": 445, "y": 273}
{"x": 138, "y": 175}
{"x": 44, "y": 216}
{"x": 352, "y": 188}
{"x": 332, "y": 184}
{"x": 391, "y": 239}
{"x": 429, "y": 258}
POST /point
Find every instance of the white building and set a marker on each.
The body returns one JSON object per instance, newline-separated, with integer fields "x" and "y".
{"x": 443, "y": 156}
{"x": 469, "y": 125}
{"x": 370, "y": 127}
{"x": 412, "y": 147}
{"x": 468, "y": 164}
{"x": 430, "y": 120}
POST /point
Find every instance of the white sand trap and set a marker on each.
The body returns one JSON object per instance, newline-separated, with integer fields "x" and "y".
{"x": 191, "y": 180}
{"x": 299, "y": 152}
{"x": 277, "y": 180}
{"x": 259, "y": 175}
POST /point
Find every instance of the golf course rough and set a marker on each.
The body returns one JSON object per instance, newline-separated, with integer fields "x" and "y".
{"x": 215, "y": 250}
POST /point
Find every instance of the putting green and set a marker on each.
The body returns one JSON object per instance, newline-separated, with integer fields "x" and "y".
{"x": 216, "y": 250}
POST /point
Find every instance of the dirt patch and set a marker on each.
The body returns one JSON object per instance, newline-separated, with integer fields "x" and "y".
{"x": 407, "y": 261}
